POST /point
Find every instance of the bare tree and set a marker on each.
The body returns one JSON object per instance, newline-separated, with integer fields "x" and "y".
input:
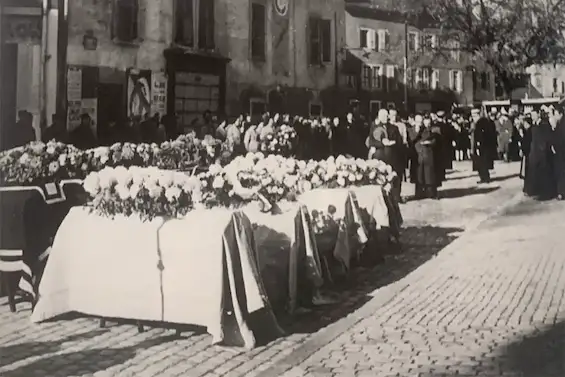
{"x": 508, "y": 35}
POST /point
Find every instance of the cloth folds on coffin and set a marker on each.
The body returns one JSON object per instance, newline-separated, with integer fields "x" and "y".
{"x": 287, "y": 253}
{"x": 198, "y": 270}
{"x": 352, "y": 236}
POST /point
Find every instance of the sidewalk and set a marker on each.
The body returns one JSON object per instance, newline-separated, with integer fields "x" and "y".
{"x": 76, "y": 347}
{"x": 492, "y": 304}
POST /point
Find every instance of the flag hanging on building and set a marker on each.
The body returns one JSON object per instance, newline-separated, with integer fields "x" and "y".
{"x": 281, "y": 37}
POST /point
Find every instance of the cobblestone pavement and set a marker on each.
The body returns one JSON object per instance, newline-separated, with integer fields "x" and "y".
{"x": 75, "y": 346}
{"x": 491, "y": 304}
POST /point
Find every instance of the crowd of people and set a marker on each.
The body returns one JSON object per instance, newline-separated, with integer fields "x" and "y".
{"x": 420, "y": 148}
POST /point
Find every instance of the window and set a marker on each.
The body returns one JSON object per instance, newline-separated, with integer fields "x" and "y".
{"x": 367, "y": 38}
{"x": 383, "y": 40}
{"x": 555, "y": 85}
{"x": 316, "y": 109}
{"x": 426, "y": 78}
{"x": 366, "y": 77}
{"x": 257, "y": 107}
{"x": 378, "y": 77}
{"x": 126, "y": 20}
{"x": 419, "y": 78}
{"x": 374, "y": 107}
{"x": 435, "y": 79}
{"x": 351, "y": 81}
{"x": 456, "y": 81}
{"x": 195, "y": 93}
{"x": 484, "y": 81}
{"x": 391, "y": 105}
{"x": 391, "y": 77}
{"x": 430, "y": 41}
{"x": 258, "y": 30}
{"x": 320, "y": 41}
{"x": 562, "y": 86}
{"x": 194, "y": 23}
{"x": 413, "y": 41}
{"x": 455, "y": 51}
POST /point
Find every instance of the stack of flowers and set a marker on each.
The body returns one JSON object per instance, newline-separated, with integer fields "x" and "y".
{"x": 345, "y": 172}
{"x": 282, "y": 142}
{"x": 38, "y": 163}
{"x": 273, "y": 177}
{"x": 152, "y": 192}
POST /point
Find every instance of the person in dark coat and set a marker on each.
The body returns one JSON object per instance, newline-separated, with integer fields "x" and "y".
{"x": 82, "y": 137}
{"x": 524, "y": 143}
{"x": 56, "y": 131}
{"x": 483, "y": 145}
{"x": 540, "y": 177}
{"x": 505, "y": 130}
{"x": 439, "y": 148}
{"x": 425, "y": 143}
{"x": 447, "y": 148}
{"x": 385, "y": 144}
{"x": 20, "y": 133}
{"x": 559, "y": 156}
{"x": 412, "y": 133}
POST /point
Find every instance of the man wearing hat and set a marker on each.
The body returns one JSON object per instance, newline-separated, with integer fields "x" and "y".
{"x": 559, "y": 152}
{"x": 505, "y": 129}
{"x": 483, "y": 144}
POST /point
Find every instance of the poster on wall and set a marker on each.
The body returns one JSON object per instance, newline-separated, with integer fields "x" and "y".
{"x": 139, "y": 93}
{"x": 74, "y": 84}
{"x": 158, "y": 93}
{"x": 90, "y": 106}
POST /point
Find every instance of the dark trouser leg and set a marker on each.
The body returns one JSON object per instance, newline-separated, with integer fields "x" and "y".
{"x": 484, "y": 174}
{"x": 431, "y": 192}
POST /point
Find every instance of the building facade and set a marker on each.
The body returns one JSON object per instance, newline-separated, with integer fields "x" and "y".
{"x": 546, "y": 81}
{"x": 131, "y": 58}
{"x": 437, "y": 74}
{"x": 28, "y": 61}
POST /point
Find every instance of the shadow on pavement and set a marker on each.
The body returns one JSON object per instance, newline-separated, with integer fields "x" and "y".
{"x": 538, "y": 354}
{"x": 16, "y": 352}
{"x": 81, "y": 362}
{"x": 419, "y": 245}
{"x": 493, "y": 179}
{"x": 454, "y": 193}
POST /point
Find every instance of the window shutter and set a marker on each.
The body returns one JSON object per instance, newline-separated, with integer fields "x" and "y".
{"x": 426, "y": 77}
{"x": 206, "y": 24}
{"x": 376, "y": 40}
{"x": 459, "y": 81}
{"x": 451, "y": 81}
{"x": 435, "y": 79}
{"x": 315, "y": 54}
{"x": 326, "y": 43}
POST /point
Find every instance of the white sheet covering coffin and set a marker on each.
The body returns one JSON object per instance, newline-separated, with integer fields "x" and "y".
{"x": 111, "y": 268}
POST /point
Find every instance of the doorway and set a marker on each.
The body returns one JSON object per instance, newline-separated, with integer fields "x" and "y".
{"x": 111, "y": 108}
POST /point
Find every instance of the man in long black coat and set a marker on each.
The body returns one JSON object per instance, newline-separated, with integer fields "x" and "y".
{"x": 427, "y": 170}
{"x": 540, "y": 177}
{"x": 559, "y": 157}
{"x": 483, "y": 145}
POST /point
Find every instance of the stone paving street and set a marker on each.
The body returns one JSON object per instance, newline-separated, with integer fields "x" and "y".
{"x": 468, "y": 307}
{"x": 491, "y": 304}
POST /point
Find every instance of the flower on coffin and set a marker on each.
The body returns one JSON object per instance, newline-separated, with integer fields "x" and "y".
{"x": 91, "y": 184}
{"x": 173, "y": 193}
{"x": 53, "y": 167}
{"x": 25, "y": 159}
{"x": 218, "y": 182}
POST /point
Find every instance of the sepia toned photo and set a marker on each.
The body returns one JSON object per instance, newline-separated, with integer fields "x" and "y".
{"x": 282, "y": 188}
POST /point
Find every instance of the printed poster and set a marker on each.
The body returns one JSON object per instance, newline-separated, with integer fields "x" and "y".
{"x": 281, "y": 40}
{"x": 158, "y": 93}
{"x": 74, "y": 84}
{"x": 139, "y": 93}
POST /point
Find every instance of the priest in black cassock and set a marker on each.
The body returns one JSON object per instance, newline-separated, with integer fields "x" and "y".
{"x": 540, "y": 177}
{"x": 483, "y": 144}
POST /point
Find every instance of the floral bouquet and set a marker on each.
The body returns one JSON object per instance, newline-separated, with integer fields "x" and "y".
{"x": 37, "y": 163}
{"x": 146, "y": 192}
{"x": 282, "y": 142}
{"x": 273, "y": 178}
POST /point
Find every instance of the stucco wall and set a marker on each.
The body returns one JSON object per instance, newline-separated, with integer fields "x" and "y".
{"x": 96, "y": 16}
{"x": 546, "y": 74}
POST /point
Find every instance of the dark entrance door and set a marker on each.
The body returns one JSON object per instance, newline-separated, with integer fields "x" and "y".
{"x": 8, "y": 89}
{"x": 111, "y": 108}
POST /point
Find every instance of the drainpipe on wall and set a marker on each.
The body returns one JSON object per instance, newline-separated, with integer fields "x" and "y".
{"x": 406, "y": 66}
{"x": 336, "y": 64}
{"x": 44, "y": 59}
{"x": 62, "y": 42}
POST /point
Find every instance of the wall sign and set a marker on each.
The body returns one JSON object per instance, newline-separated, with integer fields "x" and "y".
{"x": 158, "y": 93}
{"x": 139, "y": 93}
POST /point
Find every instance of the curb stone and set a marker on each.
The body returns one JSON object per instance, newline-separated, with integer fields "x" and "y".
{"x": 385, "y": 295}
